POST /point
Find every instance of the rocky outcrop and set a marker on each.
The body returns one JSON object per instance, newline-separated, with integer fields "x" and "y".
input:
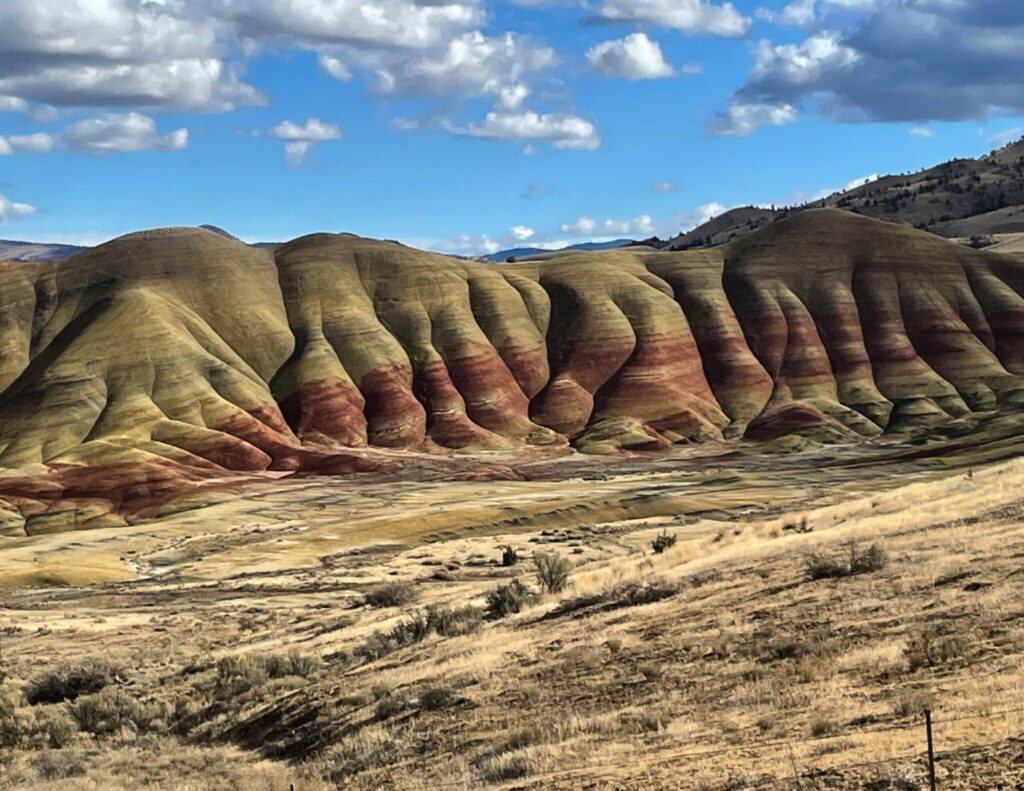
{"x": 163, "y": 359}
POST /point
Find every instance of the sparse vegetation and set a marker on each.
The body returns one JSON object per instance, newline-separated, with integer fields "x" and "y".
{"x": 71, "y": 681}
{"x": 663, "y": 541}
{"x": 236, "y": 674}
{"x": 552, "y": 571}
{"x": 507, "y": 599}
{"x": 928, "y": 648}
{"x": 821, "y": 566}
{"x": 113, "y": 708}
{"x": 393, "y": 594}
{"x": 509, "y": 556}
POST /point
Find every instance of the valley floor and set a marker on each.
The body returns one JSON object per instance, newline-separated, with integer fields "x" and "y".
{"x": 330, "y": 634}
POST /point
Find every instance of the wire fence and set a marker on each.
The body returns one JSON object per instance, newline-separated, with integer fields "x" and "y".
{"x": 800, "y": 779}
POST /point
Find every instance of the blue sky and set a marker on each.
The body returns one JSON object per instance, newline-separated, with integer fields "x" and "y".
{"x": 473, "y": 125}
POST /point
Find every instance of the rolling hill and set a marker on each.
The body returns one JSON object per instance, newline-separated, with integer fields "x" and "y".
{"x": 960, "y": 198}
{"x": 136, "y": 371}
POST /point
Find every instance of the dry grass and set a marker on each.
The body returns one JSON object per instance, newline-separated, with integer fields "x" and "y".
{"x": 649, "y": 670}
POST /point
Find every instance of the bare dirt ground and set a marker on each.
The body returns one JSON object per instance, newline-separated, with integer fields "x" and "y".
{"x": 345, "y": 633}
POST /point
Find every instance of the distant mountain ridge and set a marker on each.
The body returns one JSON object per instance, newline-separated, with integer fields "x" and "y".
{"x": 526, "y": 252}
{"x": 29, "y": 252}
{"x": 960, "y": 198}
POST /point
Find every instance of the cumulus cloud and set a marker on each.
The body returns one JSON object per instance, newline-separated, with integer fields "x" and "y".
{"x": 689, "y": 16}
{"x": 313, "y": 131}
{"x": 9, "y": 210}
{"x": 801, "y": 13}
{"x": 471, "y": 65}
{"x": 179, "y": 53}
{"x": 900, "y": 61}
{"x": 37, "y": 143}
{"x": 358, "y": 23}
{"x": 635, "y": 57}
{"x": 520, "y": 232}
{"x": 741, "y": 119}
{"x": 586, "y": 226}
{"x": 561, "y": 130}
{"x": 116, "y": 132}
{"x": 468, "y": 244}
{"x": 299, "y": 139}
{"x": 334, "y": 67}
{"x": 920, "y": 131}
{"x": 117, "y": 53}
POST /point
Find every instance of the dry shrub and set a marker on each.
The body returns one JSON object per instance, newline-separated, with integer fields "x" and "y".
{"x": 663, "y": 541}
{"x": 820, "y": 566}
{"x": 552, "y": 571}
{"x": 58, "y": 764}
{"x": 112, "y": 708}
{"x": 507, "y": 599}
{"x": 237, "y": 674}
{"x": 71, "y": 681}
{"x": 392, "y": 594}
{"x": 930, "y": 648}
{"x": 437, "y": 698}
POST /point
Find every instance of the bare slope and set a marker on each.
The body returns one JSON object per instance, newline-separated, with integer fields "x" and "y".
{"x": 165, "y": 360}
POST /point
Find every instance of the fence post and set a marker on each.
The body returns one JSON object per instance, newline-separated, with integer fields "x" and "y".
{"x": 931, "y": 748}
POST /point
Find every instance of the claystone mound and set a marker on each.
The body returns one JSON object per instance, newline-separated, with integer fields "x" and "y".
{"x": 190, "y": 355}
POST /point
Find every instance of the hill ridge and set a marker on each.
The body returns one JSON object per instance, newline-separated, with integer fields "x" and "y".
{"x": 135, "y": 372}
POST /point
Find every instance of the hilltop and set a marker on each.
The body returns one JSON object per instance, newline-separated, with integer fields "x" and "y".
{"x": 960, "y": 198}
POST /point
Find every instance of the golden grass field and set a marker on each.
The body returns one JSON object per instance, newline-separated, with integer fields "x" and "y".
{"x": 234, "y": 646}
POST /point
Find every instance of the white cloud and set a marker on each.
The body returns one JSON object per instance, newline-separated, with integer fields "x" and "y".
{"x": 335, "y": 68}
{"x": 300, "y": 139}
{"x": 37, "y": 143}
{"x": 313, "y": 131}
{"x": 472, "y": 64}
{"x": 356, "y": 23}
{"x": 742, "y": 119}
{"x": 113, "y": 132}
{"x": 401, "y": 124}
{"x": 635, "y": 57}
{"x": 9, "y": 210}
{"x": 663, "y": 187}
{"x": 511, "y": 97}
{"x": 921, "y": 131}
{"x": 689, "y": 16}
{"x": 801, "y": 13}
{"x": 521, "y": 232}
{"x": 860, "y": 182}
{"x": 586, "y": 226}
{"x": 581, "y": 227}
{"x": 559, "y": 129}
{"x": 803, "y": 63}
{"x": 295, "y": 151}
{"x": 468, "y": 244}
{"x": 179, "y": 53}
{"x": 1007, "y": 137}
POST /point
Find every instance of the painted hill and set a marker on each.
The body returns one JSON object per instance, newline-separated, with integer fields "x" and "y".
{"x": 137, "y": 371}
{"x": 961, "y": 198}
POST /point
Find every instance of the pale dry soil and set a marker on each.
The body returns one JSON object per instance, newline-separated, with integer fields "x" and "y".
{"x": 716, "y": 664}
